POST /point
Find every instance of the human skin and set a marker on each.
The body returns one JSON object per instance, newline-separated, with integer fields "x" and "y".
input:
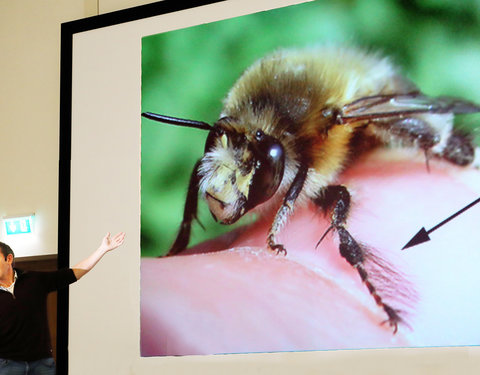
{"x": 233, "y": 295}
{"x": 108, "y": 244}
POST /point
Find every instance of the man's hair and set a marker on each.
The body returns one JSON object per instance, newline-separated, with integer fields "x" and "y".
{"x": 5, "y": 250}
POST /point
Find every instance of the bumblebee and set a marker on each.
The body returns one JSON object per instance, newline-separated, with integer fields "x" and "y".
{"x": 294, "y": 121}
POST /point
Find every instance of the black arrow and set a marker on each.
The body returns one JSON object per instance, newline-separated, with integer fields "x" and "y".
{"x": 422, "y": 235}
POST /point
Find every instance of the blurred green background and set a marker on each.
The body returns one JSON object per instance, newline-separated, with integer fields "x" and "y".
{"x": 186, "y": 73}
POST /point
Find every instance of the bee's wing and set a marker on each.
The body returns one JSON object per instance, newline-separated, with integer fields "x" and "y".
{"x": 402, "y": 105}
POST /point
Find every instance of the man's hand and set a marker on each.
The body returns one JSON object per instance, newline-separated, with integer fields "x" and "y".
{"x": 109, "y": 243}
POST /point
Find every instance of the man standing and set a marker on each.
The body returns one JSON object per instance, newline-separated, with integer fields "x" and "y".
{"x": 24, "y": 337}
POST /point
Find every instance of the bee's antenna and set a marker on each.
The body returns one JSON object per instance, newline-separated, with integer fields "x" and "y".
{"x": 177, "y": 121}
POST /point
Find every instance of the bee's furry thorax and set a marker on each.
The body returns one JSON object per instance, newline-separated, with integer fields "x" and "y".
{"x": 285, "y": 95}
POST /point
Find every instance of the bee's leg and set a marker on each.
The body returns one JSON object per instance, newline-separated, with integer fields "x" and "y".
{"x": 459, "y": 149}
{"x": 286, "y": 210}
{"x": 410, "y": 131}
{"x": 336, "y": 199}
{"x": 189, "y": 213}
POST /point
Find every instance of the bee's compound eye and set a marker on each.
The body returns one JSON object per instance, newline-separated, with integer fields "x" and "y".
{"x": 275, "y": 153}
{"x": 269, "y": 167}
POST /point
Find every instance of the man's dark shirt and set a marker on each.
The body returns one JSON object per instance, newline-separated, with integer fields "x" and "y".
{"x": 24, "y": 333}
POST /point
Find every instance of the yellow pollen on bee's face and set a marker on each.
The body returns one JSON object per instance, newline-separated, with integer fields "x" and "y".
{"x": 220, "y": 185}
{"x": 224, "y": 140}
{"x": 243, "y": 182}
{"x": 229, "y": 184}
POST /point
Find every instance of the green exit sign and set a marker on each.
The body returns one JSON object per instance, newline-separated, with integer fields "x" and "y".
{"x": 18, "y": 225}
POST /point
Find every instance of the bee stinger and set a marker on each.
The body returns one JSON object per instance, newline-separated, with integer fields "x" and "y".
{"x": 294, "y": 121}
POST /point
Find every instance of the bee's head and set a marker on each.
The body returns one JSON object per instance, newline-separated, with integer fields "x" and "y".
{"x": 239, "y": 170}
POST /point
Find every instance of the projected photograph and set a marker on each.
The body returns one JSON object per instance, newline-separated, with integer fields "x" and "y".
{"x": 309, "y": 180}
